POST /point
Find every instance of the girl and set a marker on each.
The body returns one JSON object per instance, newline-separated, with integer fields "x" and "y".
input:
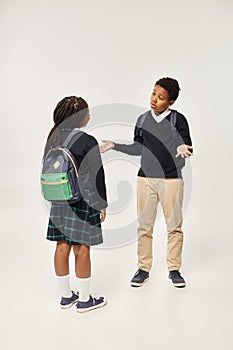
{"x": 77, "y": 225}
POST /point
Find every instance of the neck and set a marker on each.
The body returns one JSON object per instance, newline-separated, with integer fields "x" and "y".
{"x": 158, "y": 113}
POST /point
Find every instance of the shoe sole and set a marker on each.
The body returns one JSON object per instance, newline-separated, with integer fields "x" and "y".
{"x": 64, "y": 307}
{"x": 178, "y": 285}
{"x": 136, "y": 284}
{"x": 92, "y": 307}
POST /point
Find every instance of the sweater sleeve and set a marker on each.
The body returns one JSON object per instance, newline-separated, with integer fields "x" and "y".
{"x": 97, "y": 173}
{"x": 134, "y": 149}
{"x": 183, "y": 129}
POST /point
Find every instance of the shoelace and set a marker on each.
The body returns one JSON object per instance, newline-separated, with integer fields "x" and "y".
{"x": 94, "y": 298}
{"x": 140, "y": 272}
{"x": 176, "y": 274}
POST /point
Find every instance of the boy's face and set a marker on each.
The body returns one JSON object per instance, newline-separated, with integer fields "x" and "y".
{"x": 159, "y": 100}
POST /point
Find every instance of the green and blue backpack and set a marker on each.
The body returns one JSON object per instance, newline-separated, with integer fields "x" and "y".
{"x": 59, "y": 175}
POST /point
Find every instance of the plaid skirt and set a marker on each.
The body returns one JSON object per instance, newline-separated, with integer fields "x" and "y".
{"x": 77, "y": 223}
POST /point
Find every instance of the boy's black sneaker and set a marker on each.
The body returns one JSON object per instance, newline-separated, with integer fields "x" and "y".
{"x": 139, "y": 278}
{"x": 177, "y": 279}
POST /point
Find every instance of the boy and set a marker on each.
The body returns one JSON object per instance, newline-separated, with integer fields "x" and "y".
{"x": 162, "y": 139}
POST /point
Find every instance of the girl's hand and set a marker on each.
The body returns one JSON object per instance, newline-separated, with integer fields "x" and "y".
{"x": 102, "y": 214}
{"x": 106, "y": 146}
{"x": 183, "y": 151}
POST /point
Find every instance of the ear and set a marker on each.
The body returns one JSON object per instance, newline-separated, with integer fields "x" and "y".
{"x": 170, "y": 103}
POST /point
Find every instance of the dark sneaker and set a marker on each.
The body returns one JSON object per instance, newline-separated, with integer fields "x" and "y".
{"x": 139, "y": 278}
{"x": 177, "y": 279}
{"x": 66, "y": 303}
{"x": 91, "y": 304}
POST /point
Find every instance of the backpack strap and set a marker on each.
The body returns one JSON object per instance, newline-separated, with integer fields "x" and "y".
{"x": 65, "y": 144}
{"x": 141, "y": 120}
{"x": 173, "y": 123}
{"x": 69, "y": 137}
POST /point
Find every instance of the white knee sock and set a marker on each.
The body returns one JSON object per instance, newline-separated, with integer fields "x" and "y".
{"x": 84, "y": 286}
{"x": 64, "y": 286}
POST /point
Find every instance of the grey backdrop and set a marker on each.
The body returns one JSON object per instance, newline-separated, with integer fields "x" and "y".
{"x": 112, "y": 52}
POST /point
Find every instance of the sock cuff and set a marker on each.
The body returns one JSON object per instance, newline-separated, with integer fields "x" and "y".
{"x": 63, "y": 277}
{"x": 83, "y": 279}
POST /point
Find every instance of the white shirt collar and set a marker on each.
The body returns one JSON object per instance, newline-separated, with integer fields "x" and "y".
{"x": 162, "y": 116}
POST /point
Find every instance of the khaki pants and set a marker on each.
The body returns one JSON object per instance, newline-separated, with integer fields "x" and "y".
{"x": 170, "y": 193}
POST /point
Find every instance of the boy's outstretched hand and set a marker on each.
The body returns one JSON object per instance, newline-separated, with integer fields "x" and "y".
{"x": 184, "y": 151}
{"x": 106, "y": 145}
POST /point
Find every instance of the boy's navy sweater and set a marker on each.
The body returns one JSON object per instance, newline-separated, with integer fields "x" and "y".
{"x": 155, "y": 144}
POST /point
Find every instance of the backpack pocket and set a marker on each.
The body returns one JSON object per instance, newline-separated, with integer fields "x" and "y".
{"x": 56, "y": 186}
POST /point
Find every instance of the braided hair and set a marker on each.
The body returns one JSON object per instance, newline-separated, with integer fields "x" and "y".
{"x": 68, "y": 114}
